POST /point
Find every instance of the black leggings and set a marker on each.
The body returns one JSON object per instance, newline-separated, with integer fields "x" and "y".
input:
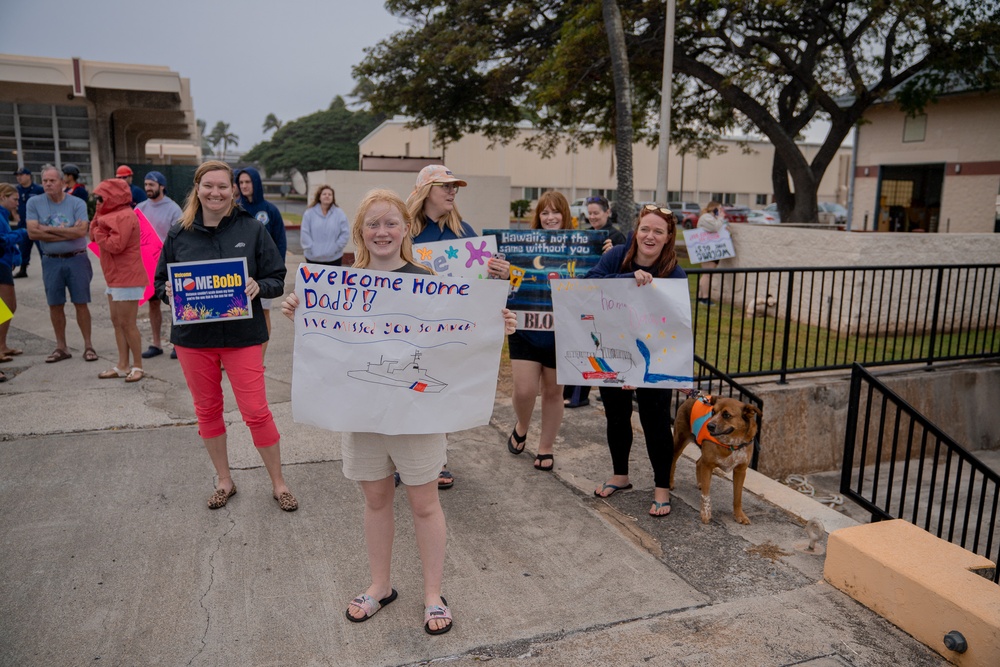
{"x": 654, "y": 415}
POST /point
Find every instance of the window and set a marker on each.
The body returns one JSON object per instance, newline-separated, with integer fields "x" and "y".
{"x": 914, "y": 128}
{"x": 32, "y": 135}
{"x": 531, "y": 194}
{"x": 727, "y": 198}
{"x": 761, "y": 200}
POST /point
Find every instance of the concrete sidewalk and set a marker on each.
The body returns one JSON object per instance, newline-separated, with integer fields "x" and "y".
{"x": 110, "y": 555}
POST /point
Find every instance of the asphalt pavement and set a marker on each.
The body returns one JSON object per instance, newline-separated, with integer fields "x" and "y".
{"x": 111, "y": 557}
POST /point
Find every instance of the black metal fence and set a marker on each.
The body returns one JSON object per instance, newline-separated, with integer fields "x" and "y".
{"x": 776, "y": 321}
{"x": 897, "y": 464}
{"x": 711, "y": 380}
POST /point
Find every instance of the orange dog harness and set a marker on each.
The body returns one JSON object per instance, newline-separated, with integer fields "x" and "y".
{"x": 701, "y": 412}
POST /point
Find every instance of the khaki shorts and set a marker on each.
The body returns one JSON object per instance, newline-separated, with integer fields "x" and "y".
{"x": 369, "y": 457}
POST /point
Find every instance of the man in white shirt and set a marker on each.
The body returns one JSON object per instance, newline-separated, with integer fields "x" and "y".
{"x": 162, "y": 213}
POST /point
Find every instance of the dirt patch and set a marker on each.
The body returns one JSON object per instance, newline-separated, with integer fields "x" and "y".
{"x": 772, "y": 552}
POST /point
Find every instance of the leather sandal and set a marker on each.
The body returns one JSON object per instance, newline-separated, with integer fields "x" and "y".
{"x": 135, "y": 375}
{"x": 220, "y": 498}
{"x": 111, "y": 374}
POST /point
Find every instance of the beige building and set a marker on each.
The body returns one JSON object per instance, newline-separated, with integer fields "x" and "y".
{"x": 935, "y": 172}
{"x": 733, "y": 177}
{"x": 93, "y": 114}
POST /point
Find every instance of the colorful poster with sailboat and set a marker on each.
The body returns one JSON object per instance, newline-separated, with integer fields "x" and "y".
{"x": 612, "y": 332}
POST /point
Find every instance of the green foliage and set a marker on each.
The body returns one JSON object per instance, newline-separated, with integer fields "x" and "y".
{"x": 221, "y": 134}
{"x": 322, "y": 140}
{"x": 272, "y": 122}
{"x": 768, "y": 68}
{"x": 519, "y": 207}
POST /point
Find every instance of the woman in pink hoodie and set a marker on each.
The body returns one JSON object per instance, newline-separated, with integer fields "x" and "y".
{"x": 115, "y": 229}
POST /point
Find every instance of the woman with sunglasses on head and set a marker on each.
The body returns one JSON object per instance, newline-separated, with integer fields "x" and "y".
{"x": 599, "y": 214}
{"x": 533, "y": 358}
{"x": 431, "y": 207}
{"x": 650, "y": 254}
{"x": 213, "y": 227}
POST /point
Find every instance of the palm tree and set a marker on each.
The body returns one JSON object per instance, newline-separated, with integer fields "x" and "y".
{"x": 222, "y": 134}
{"x": 272, "y": 123}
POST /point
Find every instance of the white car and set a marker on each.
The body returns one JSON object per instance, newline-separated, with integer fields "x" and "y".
{"x": 763, "y": 217}
{"x": 578, "y": 209}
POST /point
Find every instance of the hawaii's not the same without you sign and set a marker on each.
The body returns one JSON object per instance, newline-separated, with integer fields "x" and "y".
{"x": 395, "y": 353}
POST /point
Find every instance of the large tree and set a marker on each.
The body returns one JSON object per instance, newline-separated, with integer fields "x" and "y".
{"x": 763, "y": 67}
{"x": 322, "y": 140}
{"x": 221, "y": 134}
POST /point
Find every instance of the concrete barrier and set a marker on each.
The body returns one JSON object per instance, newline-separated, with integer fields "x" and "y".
{"x": 922, "y": 584}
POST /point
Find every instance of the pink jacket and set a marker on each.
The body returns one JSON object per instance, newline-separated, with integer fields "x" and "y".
{"x": 115, "y": 229}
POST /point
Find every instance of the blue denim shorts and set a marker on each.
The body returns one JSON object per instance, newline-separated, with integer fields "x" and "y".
{"x": 62, "y": 273}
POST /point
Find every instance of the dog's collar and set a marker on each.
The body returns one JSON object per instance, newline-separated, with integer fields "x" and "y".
{"x": 734, "y": 448}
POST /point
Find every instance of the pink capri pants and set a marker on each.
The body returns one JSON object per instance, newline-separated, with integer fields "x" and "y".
{"x": 246, "y": 375}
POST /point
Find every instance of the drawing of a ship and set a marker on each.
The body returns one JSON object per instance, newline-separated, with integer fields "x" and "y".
{"x": 407, "y": 375}
{"x": 604, "y": 363}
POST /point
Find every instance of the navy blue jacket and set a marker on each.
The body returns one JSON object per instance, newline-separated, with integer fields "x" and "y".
{"x": 610, "y": 266}
{"x": 266, "y": 213}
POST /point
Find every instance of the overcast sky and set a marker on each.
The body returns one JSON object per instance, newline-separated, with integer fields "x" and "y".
{"x": 245, "y": 58}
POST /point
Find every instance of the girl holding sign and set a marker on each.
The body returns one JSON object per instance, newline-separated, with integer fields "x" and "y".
{"x": 435, "y": 217}
{"x": 213, "y": 227}
{"x": 533, "y": 358}
{"x": 650, "y": 254}
{"x": 381, "y": 234}
{"x": 713, "y": 217}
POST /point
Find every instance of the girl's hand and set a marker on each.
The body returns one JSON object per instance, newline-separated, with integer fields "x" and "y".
{"x": 252, "y": 289}
{"x": 498, "y": 268}
{"x": 509, "y": 321}
{"x": 628, "y": 387}
{"x": 643, "y": 278}
{"x": 289, "y": 305}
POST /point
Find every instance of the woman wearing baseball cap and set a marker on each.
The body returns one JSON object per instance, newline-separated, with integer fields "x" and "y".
{"x": 435, "y": 217}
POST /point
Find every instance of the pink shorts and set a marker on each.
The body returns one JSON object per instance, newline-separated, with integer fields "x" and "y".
{"x": 245, "y": 369}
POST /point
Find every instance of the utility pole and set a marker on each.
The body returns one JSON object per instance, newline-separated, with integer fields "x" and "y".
{"x": 666, "y": 93}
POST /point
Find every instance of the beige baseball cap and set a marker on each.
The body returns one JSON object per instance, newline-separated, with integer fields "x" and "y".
{"x": 437, "y": 173}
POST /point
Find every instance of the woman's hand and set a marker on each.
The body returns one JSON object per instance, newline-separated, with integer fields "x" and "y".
{"x": 607, "y": 245}
{"x": 643, "y": 278}
{"x": 509, "y": 321}
{"x": 498, "y": 268}
{"x": 628, "y": 387}
{"x": 289, "y": 305}
{"x": 252, "y": 289}
{"x": 169, "y": 290}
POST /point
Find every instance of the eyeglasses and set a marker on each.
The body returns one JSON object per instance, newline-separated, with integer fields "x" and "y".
{"x": 389, "y": 225}
{"x": 653, "y": 208}
{"x": 447, "y": 187}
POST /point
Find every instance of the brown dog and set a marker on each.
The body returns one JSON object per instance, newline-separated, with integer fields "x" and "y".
{"x": 724, "y": 428}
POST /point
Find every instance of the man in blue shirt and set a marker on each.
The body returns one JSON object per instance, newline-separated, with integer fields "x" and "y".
{"x": 26, "y": 189}
{"x": 59, "y": 221}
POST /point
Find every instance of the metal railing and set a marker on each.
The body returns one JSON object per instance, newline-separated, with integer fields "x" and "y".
{"x": 897, "y": 464}
{"x": 711, "y": 380}
{"x": 776, "y": 321}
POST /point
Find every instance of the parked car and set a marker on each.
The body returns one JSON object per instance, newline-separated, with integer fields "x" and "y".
{"x": 763, "y": 217}
{"x": 578, "y": 209}
{"x": 686, "y": 212}
{"x": 832, "y": 213}
{"x": 736, "y": 213}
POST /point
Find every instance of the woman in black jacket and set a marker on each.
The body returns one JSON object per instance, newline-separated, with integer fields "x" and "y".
{"x": 213, "y": 227}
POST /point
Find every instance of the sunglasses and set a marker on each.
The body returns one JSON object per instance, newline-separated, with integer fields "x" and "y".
{"x": 596, "y": 200}
{"x": 654, "y": 207}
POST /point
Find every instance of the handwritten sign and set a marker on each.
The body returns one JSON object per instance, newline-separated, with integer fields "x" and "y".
{"x": 703, "y": 246}
{"x": 613, "y": 332}
{"x": 395, "y": 353}
{"x": 459, "y": 257}
{"x": 537, "y": 256}
{"x": 209, "y": 291}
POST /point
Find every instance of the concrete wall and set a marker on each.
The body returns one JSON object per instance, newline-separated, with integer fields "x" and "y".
{"x": 575, "y": 174}
{"x": 484, "y": 204}
{"x": 884, "y": 302}
{"x": 804, "y": 423}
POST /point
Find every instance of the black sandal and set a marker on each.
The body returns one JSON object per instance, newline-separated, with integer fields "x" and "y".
{"x": 517, "y": 439}
{"x": 542, "y": 458}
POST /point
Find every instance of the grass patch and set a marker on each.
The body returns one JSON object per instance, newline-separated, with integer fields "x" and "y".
{"x": 292, "y": 219}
